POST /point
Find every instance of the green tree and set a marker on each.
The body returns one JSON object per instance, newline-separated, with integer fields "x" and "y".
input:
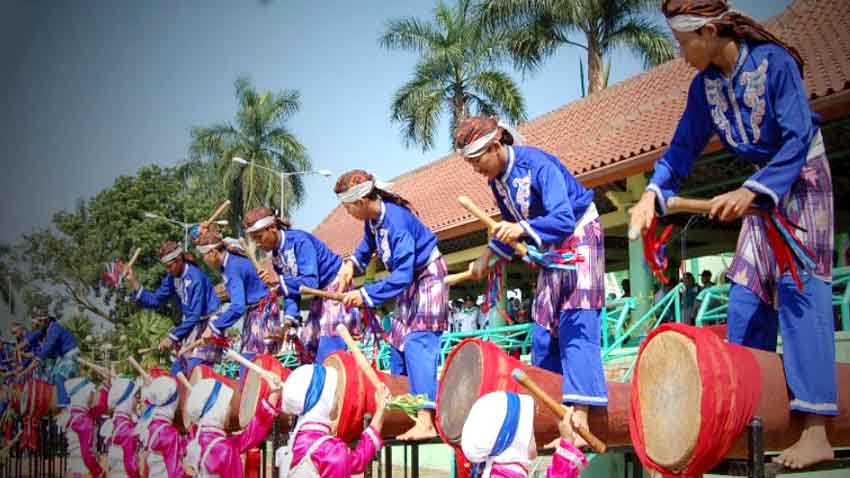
{"x": 80, "y": 327}
{"x": 63, "y": 264}
{"x": 537, "y": 28}
{"x": 260, "y": 135}
{"x": 457, "y": 72}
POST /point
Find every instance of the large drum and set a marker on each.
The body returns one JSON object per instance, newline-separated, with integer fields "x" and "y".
{"x": 39, "y": 399}
{"x": 689, "y": 383}
{"x": 355, "y": 398}
{"x": 476, "y": 367}
{"x": 255, "y": 388}
{"x": 201, "y": 372}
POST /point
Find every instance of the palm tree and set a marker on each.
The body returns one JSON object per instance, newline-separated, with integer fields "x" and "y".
{"x": 260, "y": 135}
{"x": 538, "y": 27}
{"x": 457, "y": 72}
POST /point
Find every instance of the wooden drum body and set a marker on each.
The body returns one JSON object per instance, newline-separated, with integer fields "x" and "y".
{"x": 476, "y": 367}
{"x": 255, "y": 389}
{"x": 355, "y": 398}
{"x": 39, "y": 399}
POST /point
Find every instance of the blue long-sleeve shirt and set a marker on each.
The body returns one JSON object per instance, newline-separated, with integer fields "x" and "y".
{"x": 404, "y": 245}
{"x": 243, "y": 286}
{"x": 761, "y": 113}
{"x": 538, "y": 192}
{"x": 302, "y": 259}
{"x": 57, "y": 342}
{"x": 196, "y": 294}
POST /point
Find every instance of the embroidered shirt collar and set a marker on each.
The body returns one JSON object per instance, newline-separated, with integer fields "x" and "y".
{"x": 743, "y": 54}
{"x": 281, "y": 240}
{"x": 510, "y": 163}
{"x": 185, "y": 271}
{"x": 226, "y": 258}
{"x": 377, "y": 223}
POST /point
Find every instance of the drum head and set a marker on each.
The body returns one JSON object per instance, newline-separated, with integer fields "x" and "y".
{"x": 459, "y": 389}
{"x": 670, "y": 393}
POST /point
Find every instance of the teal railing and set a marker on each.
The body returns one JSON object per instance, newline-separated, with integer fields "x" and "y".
{"x": 714, "y": 303}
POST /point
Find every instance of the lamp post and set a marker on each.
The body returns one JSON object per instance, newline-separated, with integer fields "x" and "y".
{"x": 282, "y": 175}
{"x": 185, "y": 225}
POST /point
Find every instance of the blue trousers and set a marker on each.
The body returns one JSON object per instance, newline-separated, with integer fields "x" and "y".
{"x": 419, "y": 363}
{"x": 808, "y": 338}
{"x": 186, "y": 366}
{"x": 576, "y": 354}
{"x": 327, "y": 345}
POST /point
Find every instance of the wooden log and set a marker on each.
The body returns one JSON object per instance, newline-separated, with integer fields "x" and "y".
{"x": 476, "y": 367}
{"x": 556, "y": 408}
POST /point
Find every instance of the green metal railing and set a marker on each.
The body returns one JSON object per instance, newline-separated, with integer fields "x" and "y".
{"x": 841, "y": 294}
{"x": 614, "y": 318}
{"x": 714, "y": 303}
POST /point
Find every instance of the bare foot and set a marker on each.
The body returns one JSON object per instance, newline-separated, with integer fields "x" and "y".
{"x": 812, "y": 447}
{"x": 424, "y": 428}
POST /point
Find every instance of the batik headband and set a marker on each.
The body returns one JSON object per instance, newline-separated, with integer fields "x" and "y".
{"x": 204, "y": 249}
{"x": 261, "y": 224}
{"x": 479, "y": 146}
{"x": 361, "y": 190}
{"x": 171, "y": 255}
{"x": 690, "y": 23}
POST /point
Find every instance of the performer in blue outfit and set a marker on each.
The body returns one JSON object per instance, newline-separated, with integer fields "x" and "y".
{"x": 59, "y": 345}
{"x": 197, "y": 301}
{"x": 750, "y": 92}
{"x": 543, "y": 204}
{"x": 416, "y": 269}
{"x": 301, "y": 259}
{"x": 250, "y": 299}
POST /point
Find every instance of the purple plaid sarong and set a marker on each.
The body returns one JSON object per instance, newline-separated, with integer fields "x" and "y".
{"x": 261, "y": 321}
{"x": 323, "y": 318}
{"x": 582, "y": 288}
{"x": 209, "y": 353}
{"x": 808, "y": 205}
{"x": 423, "y": 306}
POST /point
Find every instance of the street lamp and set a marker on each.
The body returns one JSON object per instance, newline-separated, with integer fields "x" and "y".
{"x": 282, "y": 175}
{"x": 185, "y": 225}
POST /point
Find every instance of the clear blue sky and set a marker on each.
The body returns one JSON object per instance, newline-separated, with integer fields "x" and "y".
{"x": 98, "y": 88}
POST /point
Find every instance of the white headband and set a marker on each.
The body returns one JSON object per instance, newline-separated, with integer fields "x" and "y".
{"x": 261, "y": 224}
{"x": 689, "y": 23}
{"x": 171, "y": 255}
{"x": 360, "y": 191}
{"x": 207, "y": 248}
{"x": 477, "y": 147}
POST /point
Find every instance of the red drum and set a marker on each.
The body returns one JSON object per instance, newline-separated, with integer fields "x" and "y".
{"x": 355, "y": 398}
{"x": 255, "y": 388}
{"x": 39, "y": 399}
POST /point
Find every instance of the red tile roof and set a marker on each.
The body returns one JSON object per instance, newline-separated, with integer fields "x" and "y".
{"x": 614, "y": 126}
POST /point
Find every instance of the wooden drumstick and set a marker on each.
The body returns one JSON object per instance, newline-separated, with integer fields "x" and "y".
{"x": 251, "y": 252}
{"x": 190, "y": 347}
{"x": 367, "y": 369}
{"x": 218, "y": 212}
{"x": 269, "y": 377}
{"x": 103, "y": 372}
{"x": 598, "y": 445}
{"x": 676, "y": 204}
{"x": 470, "y": 206}
{"x": 142, "y": 372}
{"x": 145, "y": 351}
{"x": 181, "y": 377}
{"x": 324, "y": 294}
{"x": 132, "y": 262}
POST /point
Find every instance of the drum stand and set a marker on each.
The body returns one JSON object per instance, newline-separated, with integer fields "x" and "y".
{"x": 759, "y": 465}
